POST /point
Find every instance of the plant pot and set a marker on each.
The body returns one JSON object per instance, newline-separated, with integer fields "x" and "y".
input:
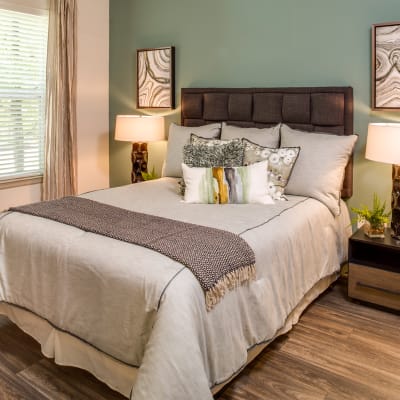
{"x": 373, "y": 232}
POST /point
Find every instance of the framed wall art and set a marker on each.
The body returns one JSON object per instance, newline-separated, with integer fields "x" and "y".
{"x": 386, "y": 66}
{"x": 155, "y": 78}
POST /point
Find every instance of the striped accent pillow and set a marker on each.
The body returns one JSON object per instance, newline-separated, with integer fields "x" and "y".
{"x": 227, "y": 185}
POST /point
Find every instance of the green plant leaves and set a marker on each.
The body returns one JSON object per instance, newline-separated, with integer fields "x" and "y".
{"x": 376, "y": 216}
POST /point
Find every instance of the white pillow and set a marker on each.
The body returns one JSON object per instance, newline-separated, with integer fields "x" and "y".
{"x": 223, "y": 185}
{"x": 267, "y": 137}
{"x": 179, "y": 136}
{"x": 320, "y": 166}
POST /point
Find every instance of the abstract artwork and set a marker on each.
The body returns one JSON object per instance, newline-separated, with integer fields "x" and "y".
{"x": 386, "y": 66}
{"x": 155, "y": 78}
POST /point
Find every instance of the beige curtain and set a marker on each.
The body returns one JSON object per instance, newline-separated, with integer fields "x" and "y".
{"x": 60, "y": 144}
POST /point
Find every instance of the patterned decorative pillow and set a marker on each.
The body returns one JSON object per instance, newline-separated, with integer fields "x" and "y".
{"x": 280, "y": 165}
{"x": 213, "y": 152}
{"x": 219, "y": 185}
{"x": 181, "y": 187}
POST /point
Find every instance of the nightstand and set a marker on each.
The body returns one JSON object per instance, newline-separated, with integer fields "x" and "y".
{"x": 374, "y": 269}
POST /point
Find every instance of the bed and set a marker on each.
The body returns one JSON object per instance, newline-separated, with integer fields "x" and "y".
{"x": 137, "y": 319}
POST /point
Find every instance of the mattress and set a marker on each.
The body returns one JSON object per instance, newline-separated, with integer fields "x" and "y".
{"x": 118, "y": 304}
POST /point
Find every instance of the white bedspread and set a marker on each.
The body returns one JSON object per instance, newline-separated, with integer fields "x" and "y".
{"x": 147, "y": 310}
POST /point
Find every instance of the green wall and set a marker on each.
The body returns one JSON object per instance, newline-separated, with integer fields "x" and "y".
{"x": 247, "y": 43}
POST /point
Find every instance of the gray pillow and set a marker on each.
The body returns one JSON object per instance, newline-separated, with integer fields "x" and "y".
{"x": 267, "y": 137}
{"x": 179, "y": 136}
{"x": 208, "y": 153}
{"x": 319, "y": 169}
{"x": 280, "y": 164}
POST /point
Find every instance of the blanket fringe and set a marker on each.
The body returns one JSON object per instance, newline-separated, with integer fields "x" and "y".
{"x": 229, "y": 281}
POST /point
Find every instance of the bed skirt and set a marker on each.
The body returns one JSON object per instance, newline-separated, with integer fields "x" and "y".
{"x": 68, "y": 350}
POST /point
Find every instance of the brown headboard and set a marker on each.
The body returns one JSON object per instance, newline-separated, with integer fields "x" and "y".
{"x": 321, "y": 109}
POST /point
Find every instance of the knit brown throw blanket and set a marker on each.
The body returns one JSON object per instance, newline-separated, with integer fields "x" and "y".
{"x": 219, "y": 260}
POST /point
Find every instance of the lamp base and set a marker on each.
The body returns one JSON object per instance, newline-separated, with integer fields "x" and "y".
{"x": 139, "y": 161}
{"x": 395, "y": 225}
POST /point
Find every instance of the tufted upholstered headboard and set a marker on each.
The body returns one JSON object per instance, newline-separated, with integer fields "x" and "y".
{"x": 320, "y": 109}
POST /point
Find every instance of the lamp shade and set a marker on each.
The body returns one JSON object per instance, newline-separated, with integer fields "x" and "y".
{"x": 383, "y": 143}
{"x": 139, "y": 128}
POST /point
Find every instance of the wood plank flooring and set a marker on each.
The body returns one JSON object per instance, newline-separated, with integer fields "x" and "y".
{"x": 340, "y": 350}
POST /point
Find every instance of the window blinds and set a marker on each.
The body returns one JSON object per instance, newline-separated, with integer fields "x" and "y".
{"x": 23, "y": 49}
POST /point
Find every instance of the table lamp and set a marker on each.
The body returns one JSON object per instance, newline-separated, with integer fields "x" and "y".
{"x": 383, "y": 144}
{"x": 139, "y": 130}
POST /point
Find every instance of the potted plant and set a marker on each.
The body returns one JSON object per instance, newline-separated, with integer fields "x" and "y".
{"x": 375, "y": 218}
{"x": 148, "y": 176}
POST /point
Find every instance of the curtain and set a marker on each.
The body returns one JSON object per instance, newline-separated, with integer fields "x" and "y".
{"x": 59, "y": 178}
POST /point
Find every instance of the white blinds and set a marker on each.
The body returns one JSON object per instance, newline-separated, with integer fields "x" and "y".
{"x": 23, "y": 48}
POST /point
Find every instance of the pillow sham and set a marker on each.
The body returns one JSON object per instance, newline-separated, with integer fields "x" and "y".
{"x": 319, "y": 170}
{"x": 224, "y": 185}
{"x": 280, "y": 164}
{"x": 179, "y": 136}
{"x": 268, "y": 137}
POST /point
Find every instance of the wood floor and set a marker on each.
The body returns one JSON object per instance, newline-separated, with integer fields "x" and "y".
{"x": 339, "y": 350}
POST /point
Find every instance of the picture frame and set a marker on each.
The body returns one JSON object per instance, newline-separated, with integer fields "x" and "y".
{"x": 386, "y": 66}
{"x": 155, "y": 77}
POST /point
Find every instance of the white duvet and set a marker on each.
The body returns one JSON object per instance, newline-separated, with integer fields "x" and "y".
{"x": 147, "y": 310}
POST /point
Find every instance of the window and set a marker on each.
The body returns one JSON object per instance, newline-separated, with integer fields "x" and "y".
{"x": 23, "y": 52}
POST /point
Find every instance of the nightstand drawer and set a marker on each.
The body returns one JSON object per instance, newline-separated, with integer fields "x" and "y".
{"x": 374, "y": 285}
